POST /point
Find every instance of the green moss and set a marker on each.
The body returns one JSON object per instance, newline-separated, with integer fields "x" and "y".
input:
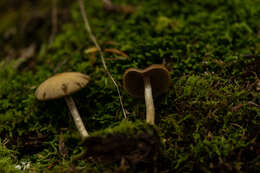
{"x": 124, "y": 127}
{"x": 7, "y": 163}
{"x": 205, "y": 123}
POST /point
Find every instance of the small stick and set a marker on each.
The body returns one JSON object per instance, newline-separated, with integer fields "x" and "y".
{"x": 94, "y": 40}
{"x": 54, "y": 20}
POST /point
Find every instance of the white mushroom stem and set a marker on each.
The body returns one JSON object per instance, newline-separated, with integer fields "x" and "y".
{"x": 150, "y": 113}
{"x": 77, "y": 119}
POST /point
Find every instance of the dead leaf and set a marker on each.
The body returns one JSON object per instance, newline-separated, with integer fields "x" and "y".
{"x": 91, "y": 50}
{"x": 235, "y": 108}
{"x": 32, "y": 87}
{"x": 116, "y": 51}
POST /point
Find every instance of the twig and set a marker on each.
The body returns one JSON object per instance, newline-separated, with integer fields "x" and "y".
{"x": 116, "y": 51}
{"x": 54, "y": 20}
{"x": 257, "y": 81}
{"x": 26, "y": 55}
{"x": 254, "y": 104}
{"x": 60, "y": 65}
{"x": 94, "y": 40}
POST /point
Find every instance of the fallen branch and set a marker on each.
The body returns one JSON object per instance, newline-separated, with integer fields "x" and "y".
{"x": 94, "y": 40}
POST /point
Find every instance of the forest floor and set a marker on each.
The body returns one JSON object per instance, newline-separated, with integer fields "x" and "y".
{"x": 208, "y": 121}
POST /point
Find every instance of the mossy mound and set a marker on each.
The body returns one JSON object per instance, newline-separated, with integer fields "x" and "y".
{"x": 135, "y": 142}
{"x": 138, "y": 144}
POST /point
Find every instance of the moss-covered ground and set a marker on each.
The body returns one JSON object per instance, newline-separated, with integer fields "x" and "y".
{"x": 208, "y": 121}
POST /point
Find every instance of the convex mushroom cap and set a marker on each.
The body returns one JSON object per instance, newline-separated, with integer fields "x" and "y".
{"x": 61, "y": 85}
{"x": 133, "y": 80}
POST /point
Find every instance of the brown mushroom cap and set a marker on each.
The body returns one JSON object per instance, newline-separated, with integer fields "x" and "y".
{"x": 159, "y": 77}
{"x": 61, "y": 85}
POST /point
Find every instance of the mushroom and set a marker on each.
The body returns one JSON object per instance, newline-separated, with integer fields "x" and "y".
{"x": 149, "y": 82}
{"x": 63, "y": 85}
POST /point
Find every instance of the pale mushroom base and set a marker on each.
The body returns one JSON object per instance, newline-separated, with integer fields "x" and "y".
{"x": 76, "y": 117}
{"x": 150, "y": 111}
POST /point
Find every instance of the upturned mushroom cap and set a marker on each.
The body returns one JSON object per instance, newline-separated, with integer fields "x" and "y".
{"x": 159, "y": 77}
{"x": 61, "y": 85}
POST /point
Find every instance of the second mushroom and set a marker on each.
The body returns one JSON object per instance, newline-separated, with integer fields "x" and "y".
{"x": 63, "y": 85}
{"x": 147, "y": 83}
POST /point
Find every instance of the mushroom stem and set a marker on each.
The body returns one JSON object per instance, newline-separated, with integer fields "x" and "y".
{"x": 77, "y": 119}
{"x": 149, "y": 101}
